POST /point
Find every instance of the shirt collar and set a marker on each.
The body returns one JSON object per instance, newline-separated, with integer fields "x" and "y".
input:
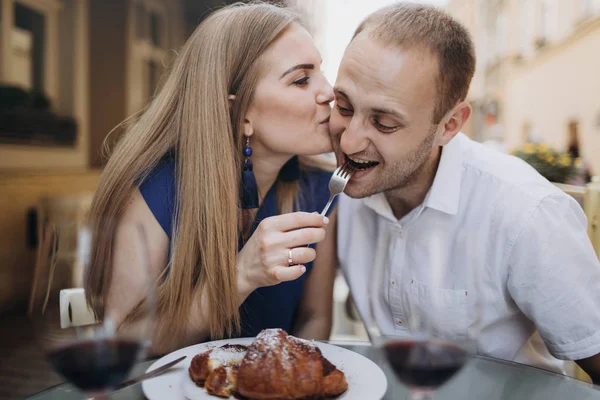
{"x": 444, "y": 194}
{"x": 380, "y": 205}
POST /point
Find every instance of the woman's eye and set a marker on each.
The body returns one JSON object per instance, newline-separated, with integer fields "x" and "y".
{"x": 301, "y": 82}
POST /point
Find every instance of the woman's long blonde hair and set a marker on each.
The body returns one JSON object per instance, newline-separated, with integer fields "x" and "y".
{"x": 190, "y": 116}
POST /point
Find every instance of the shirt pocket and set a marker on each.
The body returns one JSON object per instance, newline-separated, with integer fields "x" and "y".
{"x": 442, "y": 311}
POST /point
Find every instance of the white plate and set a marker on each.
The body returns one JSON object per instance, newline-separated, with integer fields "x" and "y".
{"x": 366, "y": 381}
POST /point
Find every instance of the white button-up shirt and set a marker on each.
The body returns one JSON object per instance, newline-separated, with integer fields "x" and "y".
{"x": 538, "y": 269}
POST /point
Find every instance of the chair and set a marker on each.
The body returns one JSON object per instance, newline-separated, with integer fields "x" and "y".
{"x": 577, "y": 192}
{"x": 74, "y": 310}
{"x": 58, "y": 261}
{"x": 592, "y": 211}
{"x": 589, "y": 197}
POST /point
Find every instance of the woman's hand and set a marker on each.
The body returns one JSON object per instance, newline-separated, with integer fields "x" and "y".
{"x": 265, "y": 259}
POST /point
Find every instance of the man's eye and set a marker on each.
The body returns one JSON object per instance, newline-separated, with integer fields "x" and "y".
{"x": 343, "y": 110}
{"x": 384, "y": 128}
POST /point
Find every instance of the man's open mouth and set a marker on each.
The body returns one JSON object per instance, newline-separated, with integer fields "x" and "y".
{"x": 359, "y": 164}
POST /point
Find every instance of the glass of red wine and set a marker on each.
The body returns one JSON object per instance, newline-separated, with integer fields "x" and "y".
{"x": 425, "y": 318}
{"x": 90, "y": 324}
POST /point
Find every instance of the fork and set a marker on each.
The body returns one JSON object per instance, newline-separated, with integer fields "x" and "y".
{"x": 337, "y": 183}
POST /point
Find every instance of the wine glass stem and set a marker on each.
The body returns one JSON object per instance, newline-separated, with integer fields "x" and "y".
{"x": 421, "y": 395}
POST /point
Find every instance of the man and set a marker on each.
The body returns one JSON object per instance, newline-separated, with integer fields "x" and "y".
{"x": 399, "y": 108}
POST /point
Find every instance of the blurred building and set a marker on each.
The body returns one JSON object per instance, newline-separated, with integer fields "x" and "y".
{"x": 70, "y": 72}
{"x": 94, "y": 62}
{"x": 313, "y": 17}
{"x": 332, "y": 24}
{"x": 537, "y": 76}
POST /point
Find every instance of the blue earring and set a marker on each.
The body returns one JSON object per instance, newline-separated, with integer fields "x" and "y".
{"x": 249, "y": 188}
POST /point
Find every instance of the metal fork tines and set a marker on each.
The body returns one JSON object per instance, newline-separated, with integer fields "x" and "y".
{"x": 337, "y": 183}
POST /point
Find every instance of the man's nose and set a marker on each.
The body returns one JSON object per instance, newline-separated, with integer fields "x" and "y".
{"x": 354, "y": 138}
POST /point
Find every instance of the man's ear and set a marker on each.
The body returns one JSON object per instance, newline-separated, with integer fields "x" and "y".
{"x": 454, "y": 121}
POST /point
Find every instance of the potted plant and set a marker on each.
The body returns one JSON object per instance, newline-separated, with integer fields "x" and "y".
{"x": 551, "y": 164}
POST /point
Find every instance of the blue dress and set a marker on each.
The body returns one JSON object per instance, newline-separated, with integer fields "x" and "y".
{"x": 267, "y": 307}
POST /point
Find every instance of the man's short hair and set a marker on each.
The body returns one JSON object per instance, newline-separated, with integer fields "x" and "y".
{"x": 410, "y": 25}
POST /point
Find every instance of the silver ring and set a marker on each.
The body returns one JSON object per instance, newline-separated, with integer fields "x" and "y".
{"x": 290, "y": 258}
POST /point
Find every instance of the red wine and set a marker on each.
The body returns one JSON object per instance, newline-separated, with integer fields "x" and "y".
{"x": 424, "y": 364}
{"x": 95, "y": 365}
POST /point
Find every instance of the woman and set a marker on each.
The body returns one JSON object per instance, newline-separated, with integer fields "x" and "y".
{"x": 244, "y": 97}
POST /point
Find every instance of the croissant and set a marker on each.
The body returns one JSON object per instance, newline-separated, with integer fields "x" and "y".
{"x": 276, "y": 366}
{"x": 283, "y": 367}
{"x": 216, "y": 369}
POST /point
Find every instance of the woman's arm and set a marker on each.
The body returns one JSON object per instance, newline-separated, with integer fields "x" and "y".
{"x": 262, "y": 262}
{"x": 315, "y": 315}
{"x": 127, "y": 287}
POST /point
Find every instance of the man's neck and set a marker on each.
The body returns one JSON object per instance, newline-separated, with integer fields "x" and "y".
{"x": 405, "y": 199}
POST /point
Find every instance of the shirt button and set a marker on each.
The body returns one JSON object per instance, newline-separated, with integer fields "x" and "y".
{"x": 393, "y": 281}
{"x": 399, "y": 322}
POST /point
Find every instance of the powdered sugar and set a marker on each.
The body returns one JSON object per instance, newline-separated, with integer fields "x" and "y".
{"x": 309, "y": 343}
{"x": 228, "y": 354}
{"x": 285, "y": 354}
{"x": 302, "y": 345}
{"x": 274, "y": 338}
{"x": 270, "y": 337}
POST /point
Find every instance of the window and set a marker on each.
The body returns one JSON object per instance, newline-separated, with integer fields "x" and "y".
{"x": 591, "y": 6}
{"x": 32, "y": 47}
{"x": 573, "y": 138}
{"x": 39, "y": 106}
{"x": 527, "y": 26}
{"x": 149, "y": 47}
{"x": 524, "y": 27}
{"x": 28, "y": 47}
{"x": 549, "y": 20}
{"x": 501, "y": 36}
{"x": 22, "y": 62}
{"x": 149, "y": 24}
{"x": 155, "y": 29}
